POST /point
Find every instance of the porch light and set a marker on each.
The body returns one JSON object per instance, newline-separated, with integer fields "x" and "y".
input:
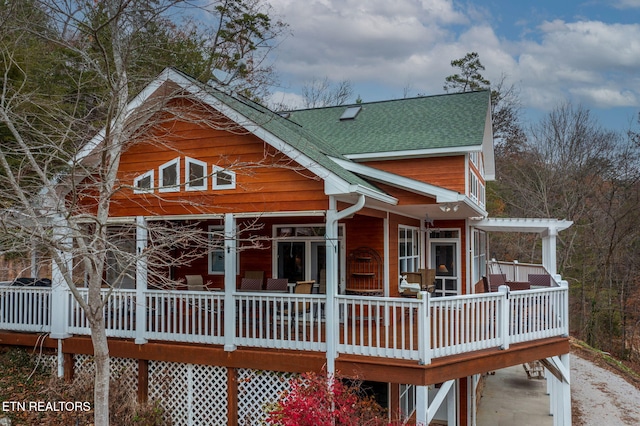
{"x": 448, "y": 207}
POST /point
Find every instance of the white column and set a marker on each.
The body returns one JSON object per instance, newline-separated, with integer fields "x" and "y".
{"x": 59, "y": 285}
{"x": 230, "y": 255}
{"x": 332, "y": 261}
{"x": 549, "y": 250}
{"x": 422, "y": 405}
{"x": 141, "y": 279}
{"x": 452, "y": 398}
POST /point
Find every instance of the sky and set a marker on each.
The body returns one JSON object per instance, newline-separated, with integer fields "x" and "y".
{"x": 552, "y": 51}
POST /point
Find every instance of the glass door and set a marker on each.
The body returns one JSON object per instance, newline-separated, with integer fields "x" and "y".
{"x": 444, "y": 258}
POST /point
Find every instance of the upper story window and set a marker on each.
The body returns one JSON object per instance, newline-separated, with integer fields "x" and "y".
{"x": 223, "y": 179}
{"x": 169, "y": 178}
{"x": 195, "y": 174}
{"x": 143, "y": 183}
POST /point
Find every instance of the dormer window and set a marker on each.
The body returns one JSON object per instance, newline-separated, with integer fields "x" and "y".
{"x": 169, "y": 178}
{"x": 195, "y": 175}
{"x": 223, "y": 179}
{"x": 143, "y": 183}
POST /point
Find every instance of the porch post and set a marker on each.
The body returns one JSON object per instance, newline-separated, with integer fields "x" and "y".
{"x": 549, "y": 250}
{"x": 230, "y": 255}
{"x": 332, "y": 240}
{"x": 331, "y": 322}
{"x": 505, "y": 317}
{"x": 141, "y": 279}
{"x": 59, "y": 286}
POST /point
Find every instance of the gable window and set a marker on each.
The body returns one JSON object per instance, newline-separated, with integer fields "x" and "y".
{"x": 196, "y": 175}
{"x": 223, "y": 179}
{"x": 169, "y": 178}
{"x": 143, "y": 183}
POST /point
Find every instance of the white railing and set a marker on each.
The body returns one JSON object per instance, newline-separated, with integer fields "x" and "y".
{"x": 379, "y": 326}
{"x": 516, "y": 271}
{"x": 467, "y": 323}
{"x": 283, "y": 321}
{"x": 184, "y": 316}
{"x": 538, "y": 314}
{"x": 399, "y": 328}
{"x": 119, "y": 313}
{"x": 25, "y": 309}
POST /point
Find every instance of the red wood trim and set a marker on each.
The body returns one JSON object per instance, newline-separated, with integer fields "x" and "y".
{"x": 69, "y": 367}
{"x": 143, "y": 381}
{"x": 232, "y": 397}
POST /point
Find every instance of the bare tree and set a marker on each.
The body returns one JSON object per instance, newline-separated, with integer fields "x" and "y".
{"x": 57, "y": 180}
{"x": 570, "y": 167}
{"x": 321, "y": 93}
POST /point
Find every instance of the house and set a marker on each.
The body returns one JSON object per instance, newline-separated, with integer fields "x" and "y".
{"x": 351, "y": 238}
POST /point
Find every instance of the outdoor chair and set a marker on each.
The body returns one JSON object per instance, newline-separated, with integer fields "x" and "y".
{"x": 195, "y": 282}
{"x": 251, "y": 284}
{"x": 277, "y": 284}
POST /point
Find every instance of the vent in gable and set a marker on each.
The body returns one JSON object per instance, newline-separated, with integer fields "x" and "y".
{"x": 350, "y": 113}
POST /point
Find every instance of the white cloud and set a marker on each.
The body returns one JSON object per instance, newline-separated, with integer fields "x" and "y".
{"x": 392, "y": 45}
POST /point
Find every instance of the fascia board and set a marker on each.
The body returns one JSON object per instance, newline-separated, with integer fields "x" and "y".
{"x": 487, "y": 148}
{"x": 397, "y": 155}
{"x": 440, "y": 194}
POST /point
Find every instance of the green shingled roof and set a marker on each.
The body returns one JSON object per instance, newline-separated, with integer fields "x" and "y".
{"x": 430, "y": 122}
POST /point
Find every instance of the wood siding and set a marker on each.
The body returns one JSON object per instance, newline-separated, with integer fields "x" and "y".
{"x": 265, "y": 180}
{"x": 446, "y": 172}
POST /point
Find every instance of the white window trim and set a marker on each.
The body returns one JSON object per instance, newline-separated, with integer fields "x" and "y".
{"x": 214, "y": 181}
{"x": 416, "y": 256}
{"x": 187, "y": 168}
{"x": 137, "y": 190}
{"x": 173, "y": 188}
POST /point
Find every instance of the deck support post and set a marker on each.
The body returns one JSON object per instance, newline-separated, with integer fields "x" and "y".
{"x": 61, "y": 268}
{"x": 560, "y": 398}
{"x": 230, "y": 255}
{"x": 426, "y": 412}
{"x": 141, "y": 279}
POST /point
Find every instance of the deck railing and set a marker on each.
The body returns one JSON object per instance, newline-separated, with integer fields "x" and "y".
{"x": 516, "y": 271}
{"x": 399, "y": 328}
{"x": 25, "y": 309}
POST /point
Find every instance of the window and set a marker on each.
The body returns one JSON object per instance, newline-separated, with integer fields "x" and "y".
{"x": 216, "y": 250}
{"x": 121, "y": 258}
{"x": 223, "y": 179}
{"x": 408, "y": 249}
{"x": 143, "y": 183}
{"x": 300, "y": 252}
{"x": 479, "y": 255}
{"x": 195, "y": 175}
{"x": 350, "y": 113}
{"x": 170, "y": 176}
